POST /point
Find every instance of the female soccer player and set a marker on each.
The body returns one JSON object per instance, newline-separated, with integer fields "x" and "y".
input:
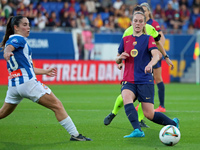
{"x": 140, "y": 53}
{"x": 150, "y": 30}
{"x": 22, "y": 77}
{"x": 157, "y": 68}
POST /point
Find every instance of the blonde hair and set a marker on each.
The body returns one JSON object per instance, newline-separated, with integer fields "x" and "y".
{"x": 149, "y": 9}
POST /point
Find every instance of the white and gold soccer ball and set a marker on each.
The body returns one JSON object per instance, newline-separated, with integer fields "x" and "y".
{"x": 169, "y": 135}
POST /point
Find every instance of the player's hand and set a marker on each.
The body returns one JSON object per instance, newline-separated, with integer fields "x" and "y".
{"x": 124, "y": 55}
{"x": 120, "y": 66}
{"x": 148, "y": 69}
{"x": 169, "y": 62}
{"x": 51, "y": 72}
{"x": 7, "y": 55}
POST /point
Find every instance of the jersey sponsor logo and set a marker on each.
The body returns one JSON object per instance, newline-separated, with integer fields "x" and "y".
{"x": 14, "y": 74}
{"x": 14, "y": 41}
{"x": 135, "y": 43}
{"x": 134, "y": 52}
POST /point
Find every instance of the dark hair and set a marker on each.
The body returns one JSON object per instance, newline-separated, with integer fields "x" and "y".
{"x": 138, "y": 8}
{"x": 10, "y": 28}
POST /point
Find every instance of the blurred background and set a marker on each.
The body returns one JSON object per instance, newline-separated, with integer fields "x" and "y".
{"x": 81, "y": 37}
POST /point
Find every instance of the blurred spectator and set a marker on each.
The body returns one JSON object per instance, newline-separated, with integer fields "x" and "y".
{"x": 53, "y": 20}
{"x": 8, "y": 9}
{"x": 196, "y": 3}
{"x": 64, "y": 21}
{"x": 117, "y": 4}
{"x": 184, "y": 13}
{"x": 195, "y": 14}
{"x": 88, "y": 40}
{"x": 197, "y": 23}
{"x": 82, "y": 22}
{"x": 98, "y": 22}
{"x": 106, "y": 3}
{"x": 31, "y": 13}
{"x": 185, "y": 2}
{"x": 176, "y": 23}
{"x": 109, "y": 24}
{"x": 73, "y": 23}
{"x": 175, "y": 4}
{"x": 72, "y": 7}
{"x": 169, "y": 14}
{"x": 130, "y": 10}
{"x": 90, "y": 5}
{"x": 159, "y": 14}
{"x": 90, "y": 20}
{"x": 40, "y": 8}
{"x": 123, "y": 21}
{"x": 190, "y": 29}
{"x": 64, "y": 9}
{"x": 83, "y": 10}
{"x": 40, "y": 21}
{"x": 21, "y": 10}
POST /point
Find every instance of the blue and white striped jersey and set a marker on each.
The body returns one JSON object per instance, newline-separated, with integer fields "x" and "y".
{"x": 20, "y": 66}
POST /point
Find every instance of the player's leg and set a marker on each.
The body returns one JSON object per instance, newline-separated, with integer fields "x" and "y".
{"x": 41, "y": 94}
{"x": 118, "y": 104}
{"x": 158, "y": 117}
{"x": 141, "y": 116}
{"x": 7, "y": 109}
{"x": 52, "y": 102}
{"x": 157, "y": 73}
{"x": 128, "y": 94}
{"x": 11, "y": 101}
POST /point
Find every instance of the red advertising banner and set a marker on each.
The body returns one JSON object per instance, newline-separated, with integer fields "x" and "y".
{"x": 79, "y": 72}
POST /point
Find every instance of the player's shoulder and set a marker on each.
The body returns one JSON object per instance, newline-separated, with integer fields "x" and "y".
{"x": 16, "y": 39}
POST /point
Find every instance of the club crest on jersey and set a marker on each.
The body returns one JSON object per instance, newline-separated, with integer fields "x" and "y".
{"x": 134, "y": 52}
{"x": 135, "y": 43}
{"x": 14, "y": 41}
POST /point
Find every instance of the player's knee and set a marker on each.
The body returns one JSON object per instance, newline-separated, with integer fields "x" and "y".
{"x": 58, "y": 106}
{"x": 148, "y": 115}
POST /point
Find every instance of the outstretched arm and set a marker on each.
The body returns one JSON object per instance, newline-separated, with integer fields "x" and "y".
{"x": 50, "y": 72}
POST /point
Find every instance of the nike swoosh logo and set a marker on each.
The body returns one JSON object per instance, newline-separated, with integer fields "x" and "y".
{"x": 127, "y": 41}
{"x": 148, "y": 97}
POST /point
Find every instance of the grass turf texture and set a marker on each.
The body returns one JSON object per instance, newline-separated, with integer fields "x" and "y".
{"x": 34, "y": 127}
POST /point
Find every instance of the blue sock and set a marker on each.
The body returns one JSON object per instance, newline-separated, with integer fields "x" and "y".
{"x": 162, "y": 119}
{"x": 161, "y": 93}
{"x": 132, "y": 116}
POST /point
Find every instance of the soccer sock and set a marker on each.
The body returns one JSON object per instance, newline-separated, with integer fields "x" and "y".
{"x": 118, "y": 104}
{"x": 162, "y": 119}
{"x": 140, "y": 113}
{"x": 161, "y": 93}
{"x": 132, "y": 115}
{"x": 68, "y": 124}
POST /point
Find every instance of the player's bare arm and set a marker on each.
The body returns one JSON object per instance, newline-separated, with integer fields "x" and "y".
{"x": 50, "y": 71}
{"x": 8, "y": 52}
{"x": 154, "y": 60}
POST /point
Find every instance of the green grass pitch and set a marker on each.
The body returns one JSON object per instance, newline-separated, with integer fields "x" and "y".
{"x": 33, "y": 127}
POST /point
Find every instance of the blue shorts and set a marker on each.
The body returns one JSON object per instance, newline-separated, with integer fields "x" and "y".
{"x": 158, "y": 64}
{"x": 143, "y": 92}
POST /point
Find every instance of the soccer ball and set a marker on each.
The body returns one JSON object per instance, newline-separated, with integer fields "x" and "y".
{"x": 169, "y": 135}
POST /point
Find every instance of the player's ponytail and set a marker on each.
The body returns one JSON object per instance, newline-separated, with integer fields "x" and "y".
{"x": 10, "y": 28}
